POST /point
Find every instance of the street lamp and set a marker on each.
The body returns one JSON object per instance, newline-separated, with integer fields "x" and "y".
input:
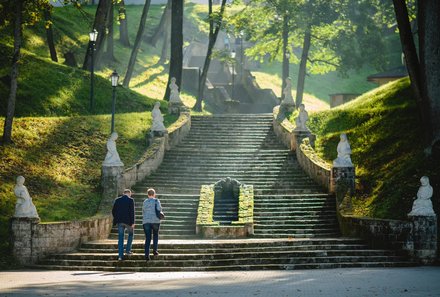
{"x": 92, "y": 36}
{"x": 233, "y": 72}
{"x": 115, "y": 78}
{"x": 241, "y": 54}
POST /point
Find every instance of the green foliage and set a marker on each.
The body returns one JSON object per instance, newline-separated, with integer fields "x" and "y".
{"x": 386, "y": 139}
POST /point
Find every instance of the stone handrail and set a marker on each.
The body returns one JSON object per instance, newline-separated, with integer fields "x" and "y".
{"x": 32, "y": 241}
{"x": 417, "y": 236}
{"x": 318, "y": 169}
{"x": 243, "y": 227}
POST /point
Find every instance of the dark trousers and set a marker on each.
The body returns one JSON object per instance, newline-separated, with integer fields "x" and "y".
{"x": 148, "y": 229}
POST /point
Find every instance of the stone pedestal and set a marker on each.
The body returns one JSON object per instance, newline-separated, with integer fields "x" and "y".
{"x": 425, "y": 238}
{"x": 112, "y": 185}
{"x": 22, "y": 230}
{"x": 343, "y": 177}
{"x": 175, "y": 108}
{"x": 299, "y": 135}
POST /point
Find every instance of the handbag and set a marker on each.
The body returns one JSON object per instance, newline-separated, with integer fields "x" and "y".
{"x": 159, "y": 214}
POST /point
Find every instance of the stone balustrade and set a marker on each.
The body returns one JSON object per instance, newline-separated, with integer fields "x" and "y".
{"x": 416, "y": 237}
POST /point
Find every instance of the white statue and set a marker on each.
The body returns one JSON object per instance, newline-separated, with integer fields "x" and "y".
{"x": 287, "y": 92}
{"x": 422, "y": 206}
{"x": 344, "y": 152}
{"x": 157, "y": 125}
{"x": 302, "y": 118}
{"x": 112, "y": 157}
{"x": 24, "y": 208}
{"x": 174, "y": 96}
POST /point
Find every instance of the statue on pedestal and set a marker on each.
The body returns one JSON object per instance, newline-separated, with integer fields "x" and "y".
{"x": 344, "y": 152}
{"x": 422, "y": 206}
{"x": 24, "y": 208}
{"x": 112, "y": 157}
{"x": 174, "y": 96}
{"x": 302, "y": 118}
{"x": 157, "y": 127}
{"x": 287, "y": 92}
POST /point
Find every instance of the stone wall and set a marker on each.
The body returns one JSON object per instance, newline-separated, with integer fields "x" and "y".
{"x": 416, "y": 237}
{"x": 32, "y": 240}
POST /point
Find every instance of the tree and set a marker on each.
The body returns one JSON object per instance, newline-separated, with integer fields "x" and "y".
{"x": 423, "y": 67}
{"x": 123, "y": 26}
{"x": 215, "y": 24}
{"x": 176, "y": 57}
{"x": 99, "y": 24}
{"x": 109, "y": 54}
{"x": 163, "y": 26}
{"x": 18, "y": 13}
{"x": 49, "y": 35}
{"x": 137, "y": 44}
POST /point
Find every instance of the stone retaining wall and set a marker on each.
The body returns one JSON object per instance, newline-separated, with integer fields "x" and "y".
{"x": 416, "y": 237}
{"x": 32, "y": 240}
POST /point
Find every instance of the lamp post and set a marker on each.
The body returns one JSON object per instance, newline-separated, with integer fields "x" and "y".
{"x": 233, "y": 73}
{"x": 92, "y": 36}
{"x": 241, "y": 54}
{"x": 114, "y": 78}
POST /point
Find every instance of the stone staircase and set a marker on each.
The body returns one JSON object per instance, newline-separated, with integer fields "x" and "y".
{"x": 295, "y": 221}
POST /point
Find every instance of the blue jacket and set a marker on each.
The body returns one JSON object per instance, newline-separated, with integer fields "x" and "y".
{"x": 149, "y": 211}
{"x": 123, "y": 210}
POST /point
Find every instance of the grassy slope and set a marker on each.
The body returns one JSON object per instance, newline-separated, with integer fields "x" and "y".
{"x": 384, "y": 133}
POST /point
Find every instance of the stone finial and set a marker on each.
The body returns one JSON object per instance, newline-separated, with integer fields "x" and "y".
{"x": 112, "y": 157}
{"x": 24, "y": 208}
{"x": 344, "y": 152}
{"x": 174, "y": 96}
{"x": 302, "y": 119}
{"x": 422, "y": 206}
{"x": 157, "y": 126}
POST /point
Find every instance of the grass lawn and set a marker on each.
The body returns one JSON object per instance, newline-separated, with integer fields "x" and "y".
{"x": 386, "y": 140}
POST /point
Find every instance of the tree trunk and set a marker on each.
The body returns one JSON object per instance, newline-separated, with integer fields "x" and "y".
{"x": 163, "y": 24}
{"x": 303, "y": 68}
{"x": 176, "y": 58}
{"x": 49, "y": 36}
{"x": 109, "y": 54}
{"x": 429, "y": 48}
{"x": 214, "y": 29}
{"x": 123, "y": 25}
{"x": 412, "y": 64}
{"x": 99, "y": 24}
{"x": 7, "y": 131}
{"x": 165, "y": 44}
{"x": 137, "y": 44}
{"x": 285, "y": 71}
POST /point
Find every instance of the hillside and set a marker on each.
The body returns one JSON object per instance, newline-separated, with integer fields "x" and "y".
{"x": 385, "y": 136}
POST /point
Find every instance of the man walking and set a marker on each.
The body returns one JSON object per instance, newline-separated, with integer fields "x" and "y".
{"x": 151, "y": 222}
{"x": 123, "y": 217}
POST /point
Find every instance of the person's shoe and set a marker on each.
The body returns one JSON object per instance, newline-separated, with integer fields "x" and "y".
{"x": 156, "y": 253}
{"x": 147, "y": 258}
{"x": 129, "y": 253}
{"x": 120, "y": 259}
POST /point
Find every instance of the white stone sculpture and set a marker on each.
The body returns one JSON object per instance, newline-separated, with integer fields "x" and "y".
{"x": 344, "y": 152}
{"x": 174, "y": 96}
{"x": 302, "y": 119}
{"x": 287, "y": 92}
{"x": 24, "y": 208}
{"x": 112, "y": 157}
{"x": 157, "y": 125}
{"x": 422, "y": 206}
